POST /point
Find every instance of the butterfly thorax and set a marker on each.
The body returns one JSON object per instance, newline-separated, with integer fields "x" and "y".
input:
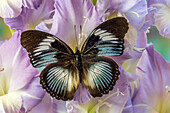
{"x": 78, "y": 61}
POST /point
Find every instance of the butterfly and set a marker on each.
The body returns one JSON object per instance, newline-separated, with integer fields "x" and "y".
{"x": 65, "y": 70}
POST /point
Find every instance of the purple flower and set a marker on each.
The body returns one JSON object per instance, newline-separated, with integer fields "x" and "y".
{"x": 154, "y": 89}
{"x": 11, "y": 9}
{"x": 20, "y": 90}
{"x": 30, "y": 18}
{"x": 162, "y": 16}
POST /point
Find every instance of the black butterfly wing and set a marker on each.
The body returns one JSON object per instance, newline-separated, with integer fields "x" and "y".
{"x": 99, "y": 75}
{"x": 107, "y": 39}
{"x": 60, "y": 76}
{"x": 61, "y": 80}
{"x": 44, "y": 48}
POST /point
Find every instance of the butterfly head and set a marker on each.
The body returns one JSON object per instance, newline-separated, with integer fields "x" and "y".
{"x": 77, "y": 50}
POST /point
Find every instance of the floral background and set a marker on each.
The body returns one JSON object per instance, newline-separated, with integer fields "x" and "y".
{"x": 144, "y": 83}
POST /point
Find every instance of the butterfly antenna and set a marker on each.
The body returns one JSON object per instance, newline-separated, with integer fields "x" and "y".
{"x": 76, "y": 34}
{"x": 81, "y": 34}
{"x": 85, "y": 22}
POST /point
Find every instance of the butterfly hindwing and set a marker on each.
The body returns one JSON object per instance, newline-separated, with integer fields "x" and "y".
{"x": 99, "y": 75}
{"x": 107, "y": 39}
{"x": 60, "y": 79}
{"x": 44, "y": 48}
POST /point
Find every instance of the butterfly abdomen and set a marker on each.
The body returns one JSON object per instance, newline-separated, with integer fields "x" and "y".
{"x": 78, "y": 63}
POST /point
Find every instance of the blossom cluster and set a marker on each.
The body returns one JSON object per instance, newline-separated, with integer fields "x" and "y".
{"x": 144, "y": 83}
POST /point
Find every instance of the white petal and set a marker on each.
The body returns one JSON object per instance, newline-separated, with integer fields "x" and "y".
{"x": 162, "y": 20}
{"x": 10, "y": 8}
{"x": 10, "y": 103}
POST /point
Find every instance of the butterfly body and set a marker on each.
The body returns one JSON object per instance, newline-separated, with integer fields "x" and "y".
{"x": 78, "y": 62}
{"x": 65, "y": 70}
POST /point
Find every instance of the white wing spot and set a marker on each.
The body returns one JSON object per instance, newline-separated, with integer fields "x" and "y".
{"x": 98, "y": 32}
{"x": 115, "y": 42}
{"x": 105, "y": 34}
{"x": 41, "y": 48}
{"x": 49, "y": 39}
{"x": 36, "y": 54}
{"x": 108, "y": 37}
{"x": 44, "y": 43}
{"x": 44, "y": 47}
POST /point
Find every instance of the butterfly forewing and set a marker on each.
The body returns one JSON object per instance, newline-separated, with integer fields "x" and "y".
{"x": 44, "y": 48}
{"x": 107, "y": 39}
{"x": 99, "y": 75}
{"x": 60, "y": 79}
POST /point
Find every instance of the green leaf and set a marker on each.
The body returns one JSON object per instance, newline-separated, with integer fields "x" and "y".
{"x": 94, "y": 2}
